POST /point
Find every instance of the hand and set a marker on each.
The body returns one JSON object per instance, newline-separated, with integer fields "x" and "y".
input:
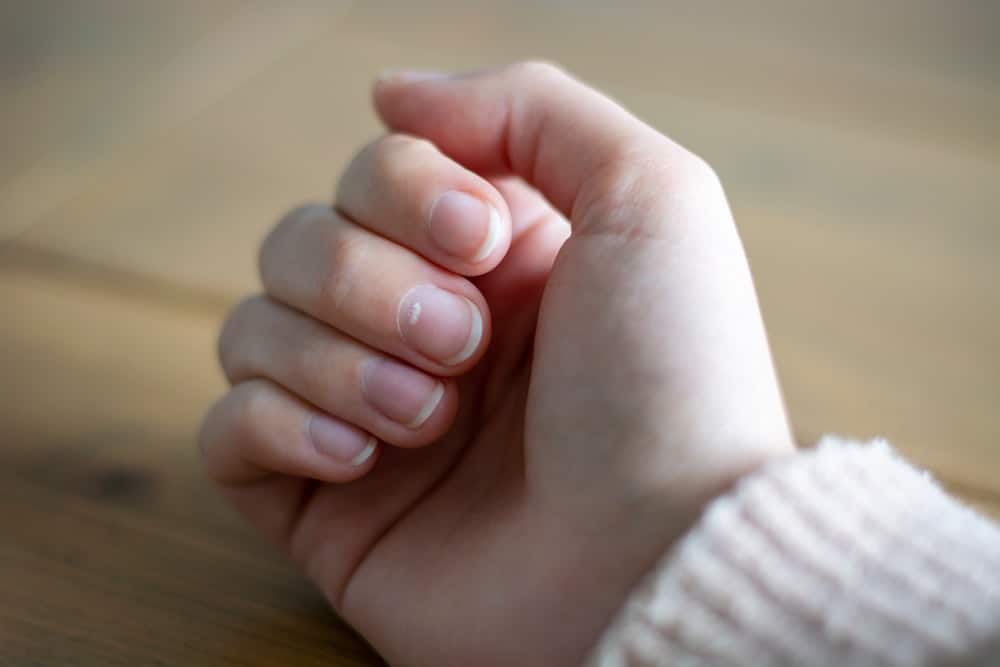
{"x": 552, "y": 407}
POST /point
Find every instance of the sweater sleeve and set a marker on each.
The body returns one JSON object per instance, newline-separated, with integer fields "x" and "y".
{"x": 841, "y": 555}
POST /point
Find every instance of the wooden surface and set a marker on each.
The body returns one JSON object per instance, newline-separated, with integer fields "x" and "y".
{"x": 147, "y": 147}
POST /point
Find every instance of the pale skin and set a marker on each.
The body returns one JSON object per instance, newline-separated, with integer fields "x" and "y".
{"x": 476, "y": 430}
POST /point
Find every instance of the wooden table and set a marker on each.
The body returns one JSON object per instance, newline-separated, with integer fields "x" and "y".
{"x": 147, "y": 147}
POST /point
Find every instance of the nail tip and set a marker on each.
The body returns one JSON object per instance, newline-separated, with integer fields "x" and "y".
{"x": 492, "y": 236}
{"x": 429, "y": 407}
{"x": 475, "y": 337}
{"x": 365, "y": 453}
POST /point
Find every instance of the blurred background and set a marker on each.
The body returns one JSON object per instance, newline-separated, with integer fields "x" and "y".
{"x": 146, "y": 147}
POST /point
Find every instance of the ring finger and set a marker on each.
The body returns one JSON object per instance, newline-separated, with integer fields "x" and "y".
{"x": 390, "y": 399}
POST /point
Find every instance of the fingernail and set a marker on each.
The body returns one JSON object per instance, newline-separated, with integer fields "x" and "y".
{"x": 440, "y": 325}
{"x": 403, "y": 394}
{"x": 337, "y": 440}
{"x": 409, "y": 75}
{"x": 464, "y": 226}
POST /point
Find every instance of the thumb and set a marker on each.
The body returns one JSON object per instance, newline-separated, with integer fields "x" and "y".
{"x": 649, "y": 331}
{"x": 578, "y": 147}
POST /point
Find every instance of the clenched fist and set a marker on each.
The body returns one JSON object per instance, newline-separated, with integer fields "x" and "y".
{"x": 486, "y": 389}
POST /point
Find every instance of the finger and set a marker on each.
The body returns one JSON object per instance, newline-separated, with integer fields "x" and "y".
{"x": 390, "y": 399}
{"x": 593, "y": 160}
{"x": 537, "y": 234}
{"x": 528, "y": 208}
{"x": 258, "y": 429}
{"x": 375, "y": 291}
{"x": 404, "y": 189}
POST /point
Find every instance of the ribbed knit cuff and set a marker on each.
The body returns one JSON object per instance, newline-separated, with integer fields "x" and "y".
{"x": 841, "y": 555}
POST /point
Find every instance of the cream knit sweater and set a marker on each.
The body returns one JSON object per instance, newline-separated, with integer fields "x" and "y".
{"x": 840, "y": 556}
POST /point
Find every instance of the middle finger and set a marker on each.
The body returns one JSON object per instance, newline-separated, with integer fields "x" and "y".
{"x": 375, "y": 291}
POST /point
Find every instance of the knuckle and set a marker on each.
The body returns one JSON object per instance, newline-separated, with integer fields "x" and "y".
{"x": 235, "y": 419}
{"x": 393, "y": 149}
{"x": 252, "y": 400}
{"x": 312, "y": 369}
{"x": 303, "y": 213}
{"x": 206, "y": 430}
{"x": 270, "y": 248}
{"x": 234, "y": 331}
{"x": 671, "y": 173}
{"x": 345, "y": 258}
{"x": 538, "y": 70}
{"x": 647, "y": 176}
{"x": 693, "y": 172}
{"x": 383, "y": 160}
{"x": 616, "y": 179}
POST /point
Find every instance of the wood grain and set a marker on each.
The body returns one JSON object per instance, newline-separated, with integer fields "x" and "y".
{"x": 115, "y": 550}
{"x": 148, "y": 148}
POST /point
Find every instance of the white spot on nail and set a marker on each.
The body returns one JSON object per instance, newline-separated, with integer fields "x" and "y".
{"x": 414, "y": 313}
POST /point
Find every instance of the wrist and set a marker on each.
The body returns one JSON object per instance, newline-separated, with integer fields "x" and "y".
{"x": 714, "y": 470}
